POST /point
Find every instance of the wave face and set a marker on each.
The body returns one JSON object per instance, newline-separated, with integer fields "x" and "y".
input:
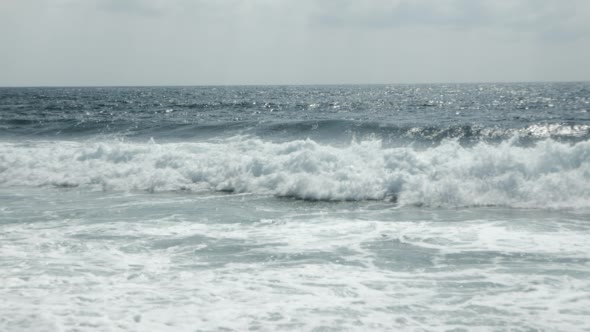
{"x": 546, "y": 174}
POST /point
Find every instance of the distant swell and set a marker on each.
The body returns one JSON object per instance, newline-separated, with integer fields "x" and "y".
{"x": 545, "y": 174}
{"x": 321, "y": 130}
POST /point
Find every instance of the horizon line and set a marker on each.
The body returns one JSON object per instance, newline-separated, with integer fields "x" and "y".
{"x": 278, "y": 84}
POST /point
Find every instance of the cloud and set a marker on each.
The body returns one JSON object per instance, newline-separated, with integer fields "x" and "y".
{"x": 92, "y": 42}
{"x": 543, "y": 16}
{"x": 138, "y": 7}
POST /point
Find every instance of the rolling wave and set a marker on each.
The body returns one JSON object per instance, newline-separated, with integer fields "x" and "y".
{"x": 545, "y": 174}
{"x": 321, "y": 130}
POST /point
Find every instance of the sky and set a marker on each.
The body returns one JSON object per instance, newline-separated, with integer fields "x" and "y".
{"x": 227, "y": 42}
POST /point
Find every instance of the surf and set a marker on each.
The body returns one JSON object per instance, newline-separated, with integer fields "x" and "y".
{"x": 547, "y": 173}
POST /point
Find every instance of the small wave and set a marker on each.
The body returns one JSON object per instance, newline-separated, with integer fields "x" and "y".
{"x": 545, "y": 174}
{"x": 281, "y": 130}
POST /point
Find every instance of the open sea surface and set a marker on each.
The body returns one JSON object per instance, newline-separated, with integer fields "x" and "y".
{"x": 443, "y": 207}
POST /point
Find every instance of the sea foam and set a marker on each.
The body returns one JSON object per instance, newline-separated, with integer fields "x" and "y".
{"x": 546, "y": 174}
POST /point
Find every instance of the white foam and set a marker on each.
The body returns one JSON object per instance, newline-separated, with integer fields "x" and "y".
{"x": 58, "y": 278}
{"x": 548, "y": 174}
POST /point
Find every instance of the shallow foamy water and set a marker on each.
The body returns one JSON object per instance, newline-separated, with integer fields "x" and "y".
{"x": 87, "y": 261}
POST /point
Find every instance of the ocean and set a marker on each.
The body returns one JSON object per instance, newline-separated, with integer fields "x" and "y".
{"x": 433, "y": 207}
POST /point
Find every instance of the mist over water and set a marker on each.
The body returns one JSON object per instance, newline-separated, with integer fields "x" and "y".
{"x": 296, "y": 208}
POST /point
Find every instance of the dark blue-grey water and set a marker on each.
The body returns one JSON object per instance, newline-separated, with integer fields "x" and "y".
{"x": 296, "y": 208}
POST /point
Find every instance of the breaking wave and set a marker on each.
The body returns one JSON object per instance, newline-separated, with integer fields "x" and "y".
{"x": 546, "y": 174}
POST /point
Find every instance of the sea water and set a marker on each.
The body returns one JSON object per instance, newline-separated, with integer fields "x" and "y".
{"x": 452, "y": 207}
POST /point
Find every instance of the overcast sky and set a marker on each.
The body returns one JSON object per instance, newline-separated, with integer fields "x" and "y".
{"x": 200, "y": 42}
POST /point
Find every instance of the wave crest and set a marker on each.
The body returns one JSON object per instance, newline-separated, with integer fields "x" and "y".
{"x": 546, "y": 174}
